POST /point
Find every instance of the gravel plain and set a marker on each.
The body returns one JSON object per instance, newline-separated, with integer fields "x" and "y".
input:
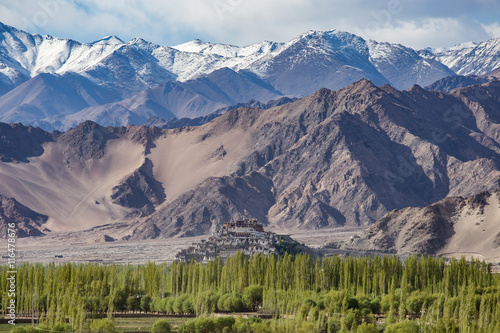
{"x": 75, "y": 247}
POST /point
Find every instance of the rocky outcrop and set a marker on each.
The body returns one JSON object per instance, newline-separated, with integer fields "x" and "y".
{"x": 140, "y": 190}
{"x": 86, "y": 141}
{"x": 205, "y": 208}
{"x": 105, "y": 239}
{"x": 27, "y": 222}
{"x": 19, "y": 142}
{"x": 144, "y": 135}
{"x": 496, "y": 243}
{"x": 428, "y": 229}
{"x": 449, "y": 83}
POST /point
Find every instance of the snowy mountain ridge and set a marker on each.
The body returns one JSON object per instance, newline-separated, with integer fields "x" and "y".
{"x": 29, "y": 55}
{"x": 474, "y": 59}
{"x": 110, "y": 71}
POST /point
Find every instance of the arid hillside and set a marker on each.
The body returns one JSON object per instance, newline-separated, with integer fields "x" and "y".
{"x": 334, "y": 158}
{"x": 454, "y": 226}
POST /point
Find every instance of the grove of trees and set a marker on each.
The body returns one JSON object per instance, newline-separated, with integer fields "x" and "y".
{"x": 420, "y": 294}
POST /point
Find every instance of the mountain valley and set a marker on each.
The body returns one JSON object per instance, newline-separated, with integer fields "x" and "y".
{"x": 132, "y": 141}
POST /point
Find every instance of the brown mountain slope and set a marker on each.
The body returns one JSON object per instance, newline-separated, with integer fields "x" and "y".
{"x": 27, "y": 222}
{"x": 140, "y": 190}
{"x": 334, "y": 158}
{"x": 330, "y": 159}
{"x": 71, "y": 182}
{"x": 453, "y": 226}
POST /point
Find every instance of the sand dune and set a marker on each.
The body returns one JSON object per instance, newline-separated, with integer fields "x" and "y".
{"x": 75, "y": 195}
{"x": 452, "y": 227}
{"x": 476, "y": 231}
{"x": 190, "y": 157}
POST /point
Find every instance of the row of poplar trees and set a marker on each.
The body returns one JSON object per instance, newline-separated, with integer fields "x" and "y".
{"x": 459, "y": 295}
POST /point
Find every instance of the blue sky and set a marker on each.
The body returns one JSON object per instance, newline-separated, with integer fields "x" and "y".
{"x": 415, "y": 23}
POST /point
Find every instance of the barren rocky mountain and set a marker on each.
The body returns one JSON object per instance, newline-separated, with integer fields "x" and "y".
{"x": 45, "y": 99}
{"x": 28, "y": 223}
{"x": 334, "y": 158}
{"x": 18, "y": 142}
{"x": 452, "y": 226}
{"x": 172, "y": 100}
{"x": 449, "y": 83}
{"x": 183, "y": 122}
{"x": 140, "y": 190}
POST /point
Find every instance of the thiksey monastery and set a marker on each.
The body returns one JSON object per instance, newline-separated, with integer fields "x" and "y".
{"x": 246, "y": 236}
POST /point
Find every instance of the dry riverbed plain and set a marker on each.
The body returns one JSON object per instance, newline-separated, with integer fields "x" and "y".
{"x": 80, "y": 248}
{"x": 75, "y": 247}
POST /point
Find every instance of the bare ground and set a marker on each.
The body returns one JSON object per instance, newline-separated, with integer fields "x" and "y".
{"x": 75, "y": 248}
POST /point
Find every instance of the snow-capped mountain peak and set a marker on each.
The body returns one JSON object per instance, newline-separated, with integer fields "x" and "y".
{"x": 308, "y": 62}
{"x": 198, "y": 46}
{"x": 249, "y": 52}
{"x": 476, "y": 59}
{"x": 112, "y": 40}
{"x": 330, "y": 41}
{"x": 462, "y": 46}
{"x": 403, "y": 66}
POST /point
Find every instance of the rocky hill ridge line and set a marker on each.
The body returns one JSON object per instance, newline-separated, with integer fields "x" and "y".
{"x": 334, "y": 158}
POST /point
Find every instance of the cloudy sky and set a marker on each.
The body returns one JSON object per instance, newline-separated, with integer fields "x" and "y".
{"x": 415, "y": 23}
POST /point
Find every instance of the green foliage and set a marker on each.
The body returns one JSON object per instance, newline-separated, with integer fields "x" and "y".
{"x": 222, "y": 323}
{"x": 23, "y": 329}
{"x": 161, "y": 326}
{"x": 120, "y": 300}
{"x": 303, "y": 311}
{"x": 178, "y": 305}
{"x": 168, "y": 305}
{"x": 366, "y": 328}
{"x": 332, "y": 294}
{"x": 230, "y": 302}
{"x": 188, "y": 327}
{"x": 287, "y": 247}
{"x": 334, "y": 301}
{"x": 60, "y": 328}
{"x": 389, "y": 301}
{"x": 206, "y": 302}
{"x": 188, "y": 305}
{"x": 204, "y": 325}
{"x": 415, "y": 302}
{"x": 313, "y": 314}
{"x": 333, "y": 324}
{"x": 251, "y": 324}
{"x": 252, "y": 296}
{"x": 351, "y": 319}
{"x": 133, "y": 303}
{"x": 145, "y": 303}
{"x": 403, "y": 327}
{"x": 353, "y": 303}
{"x": 102, "y": 326}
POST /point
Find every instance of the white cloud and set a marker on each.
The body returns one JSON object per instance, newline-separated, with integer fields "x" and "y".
{"x": 428, "y": 32}
{"x": 492, "y": 29}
